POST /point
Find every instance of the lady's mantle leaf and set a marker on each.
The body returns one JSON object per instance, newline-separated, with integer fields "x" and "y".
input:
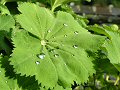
{"x": 58, "y": 54}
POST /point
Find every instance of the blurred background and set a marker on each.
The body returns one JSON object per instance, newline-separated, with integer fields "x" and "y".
{"x": 98, "y": 11}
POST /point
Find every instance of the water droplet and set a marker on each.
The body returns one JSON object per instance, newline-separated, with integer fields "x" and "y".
{"x": 1, "y": 54}
{"x": 65, "y": 25}
{"x": 0, "y": 71}
{"x": 31, "y": 28}
{"x": 56, "y": 55}
{"x": 57, "y": 47}
{"x": 51, "y": 50}
{"x": 73, "y": 55}
{"x": 75, "y": 46}
{"x": 53, "y": 37}
{"x": 37, "y": 62}
{"x": 49, "y": 30}
{"x": 41, "y": 55}
{"x": 76, "y": 32}
{"x": 6, "y": 81}
{"x": 72, "y": 4}
{"x": 43, "y": 42}
{"x": 65, "y": 35}
{"x": 65, "y": 64}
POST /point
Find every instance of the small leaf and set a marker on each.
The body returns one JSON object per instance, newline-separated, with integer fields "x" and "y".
{"x": 98, "y": 29}
{"x": 59, "y": 2}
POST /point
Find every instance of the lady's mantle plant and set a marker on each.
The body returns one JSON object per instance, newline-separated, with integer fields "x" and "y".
{"x": 50, "y": 50}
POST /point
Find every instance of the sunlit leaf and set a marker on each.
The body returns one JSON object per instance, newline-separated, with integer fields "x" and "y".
{"x": 55, "y": 47}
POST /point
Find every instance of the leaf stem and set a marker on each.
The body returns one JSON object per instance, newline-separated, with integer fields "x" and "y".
{"x": 117, "y": 80}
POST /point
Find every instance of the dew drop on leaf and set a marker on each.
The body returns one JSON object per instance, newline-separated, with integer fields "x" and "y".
{"x": 1, "y": 54}
{"x": 49, "y": 30}
{"x": 76, "y": 32}
{"x": 41, "y": 55}
{"x": 73, "y": 55}
{"x": 0, "y": 71}
{"x": 65, "y": 24}
{"x": 75, "y": 46}
{"x": 6, "y": 81}
{"x": 65, "y": 35}
{"x": 37, "y": 62}
{"x": 65, "y": 64}
{"x": 51, "y": 50}
{"x": 43, "y": 42}
{"x": 56, "y": 55}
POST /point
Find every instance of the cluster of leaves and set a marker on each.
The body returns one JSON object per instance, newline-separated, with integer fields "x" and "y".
{"x": 46, "y": 49}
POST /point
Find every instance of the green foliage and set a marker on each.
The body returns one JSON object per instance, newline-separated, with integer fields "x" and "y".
{"x": 6, "y": 22}
{"x": 46, "y": 49}
{"x": 4, "y": 10}
{"x": 5, "y": 83}
{"x": 55, "y": 46}
{"x": 56, "y": 3}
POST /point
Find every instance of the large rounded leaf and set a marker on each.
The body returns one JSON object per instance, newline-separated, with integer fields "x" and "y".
{"x": 54, "y": 48}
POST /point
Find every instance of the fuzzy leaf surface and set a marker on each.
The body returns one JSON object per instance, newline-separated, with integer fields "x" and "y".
{"x": 60, "y": 40}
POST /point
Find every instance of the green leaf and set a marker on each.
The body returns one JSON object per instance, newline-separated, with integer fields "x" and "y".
{"x": 4, "y": 9}
{"x": 58, "y": 3}
{"x": 98, "y": 29}
{"x": 34, "y": 22}
{"x": 24, "y": 60}
{"x": 29, "y": 82}
{"x": 6, "y": 22}
{"x": 112, "y": 47}
{"x": 55, "y": 47}
{"x": 4, "y": 42}
{"x": 5, "y": 83}
{"x": 70, "y": 32}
